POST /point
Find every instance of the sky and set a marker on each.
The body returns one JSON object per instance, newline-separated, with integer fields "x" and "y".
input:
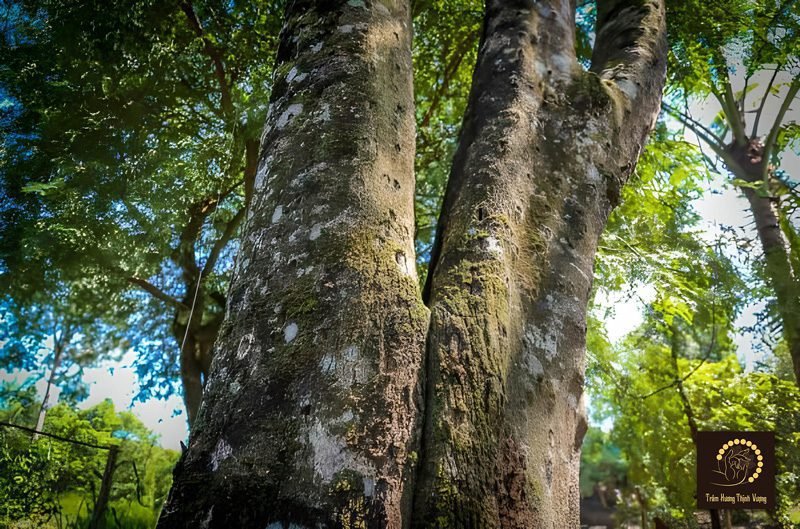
{"x": 117, "y": 380}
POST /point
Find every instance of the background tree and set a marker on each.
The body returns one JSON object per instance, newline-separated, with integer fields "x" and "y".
{"x": 130, "y": 138}
{"x": 754, "y": 44}
{"x": 53, "y": 483}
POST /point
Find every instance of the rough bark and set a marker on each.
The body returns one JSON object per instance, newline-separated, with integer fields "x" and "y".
{"x": 311, "y": 416}
{"x": 310, "y": 413}
{"x": 544, "y": 152}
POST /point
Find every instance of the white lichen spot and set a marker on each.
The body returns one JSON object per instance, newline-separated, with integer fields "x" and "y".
{"x": 332, "y": 455}
{"x": 221, "y": 452}
{"x": 592, "y": 173}
{"x": 406, "y": 267}
{"x": 561, "y": 62}
{"x": 328, "y": 363}
{"x": 295, "y": 76}
{"x": 316, "y": 231}
{"x": 245, "y": 344}
{"x": 493, "y": 246}
{"x": 235, "y": 387}
{"x": 628, "y": 87}
{"x": 325, "y": 113}
{"x": 316, "y": 47}
{"x": 369, "y": 487}
{"x": 290, "y": 332}
{"x": 572, "y": 401}
{"x": 289, "y": 114}
{"x": 347, "y": 28}
{"x": 346, "y": 368}
{"x": 356, "y": 3}
{"x": 277, "y": 214}
{"x": 534, "y": 366}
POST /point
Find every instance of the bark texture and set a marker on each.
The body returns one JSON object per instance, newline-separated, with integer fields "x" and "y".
{"x": 544, "y": 152}
{"x": 310, "y": 415}
{"x": 313, "y": 412}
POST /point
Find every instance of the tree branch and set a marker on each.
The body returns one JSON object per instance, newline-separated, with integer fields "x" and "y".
{"x": 227, "y": 234}
{"x": 155, "y": 291}
{"x": 213, "y": 54}
{"x": 731, "y": 109}
{"x": 760, "y": 110}
{"x": 630, "y": 47}
{"x": 711, "y": 141}
{"x": 776, "y": 126}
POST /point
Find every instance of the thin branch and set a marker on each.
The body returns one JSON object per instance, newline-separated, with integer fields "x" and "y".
{"x": 54, "y": 436}
{"x": 734, "y": 117}
{"x": 754, "y": 133}
{"x": 712, "y": 141}
{"x": 776, "y": 126}
{"x": 213, "y": 54}
{"x": 156, "y": 292}
{"x": 227, "y": 234}
{"x": 692, "y": 124}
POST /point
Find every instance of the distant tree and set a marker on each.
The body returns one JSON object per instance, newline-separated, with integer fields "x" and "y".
{"x": 37, "y": 476}
{"x": 130, "y": 134}
{"x": 758, "y": 42}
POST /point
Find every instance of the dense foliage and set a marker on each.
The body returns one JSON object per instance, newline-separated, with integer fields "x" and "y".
{"x": 54, "y": 483}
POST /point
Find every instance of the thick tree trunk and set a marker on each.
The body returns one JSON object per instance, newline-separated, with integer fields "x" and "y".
{"x": 781, "y": 275}
{"x": 310, "y": 414}
{"x": 544, "y": 151}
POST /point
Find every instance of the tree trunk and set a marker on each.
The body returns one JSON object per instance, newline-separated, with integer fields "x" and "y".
{"x": 691, "y": 420}
{"x": 98, "y": 519}
{"x": 58, "y": 350}
{"x": 313, "y": 410}
{"x": 781, "y": 275}
{"x": 544, "y": 152}
{"x": 310, "y": 416}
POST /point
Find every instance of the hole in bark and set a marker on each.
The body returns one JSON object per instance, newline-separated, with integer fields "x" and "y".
{"x": 396, "y": 184}
{"x": 481, "y": 214}
{"x": 306, "y": 410}
{"x": 397, "y": 147}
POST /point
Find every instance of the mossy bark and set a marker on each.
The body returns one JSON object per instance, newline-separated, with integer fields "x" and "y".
{"x": 310, "y": 416}
{"x": 544, "y": 151}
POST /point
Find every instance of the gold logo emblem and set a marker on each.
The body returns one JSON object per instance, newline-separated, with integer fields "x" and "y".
{"x": 738, "y": 461}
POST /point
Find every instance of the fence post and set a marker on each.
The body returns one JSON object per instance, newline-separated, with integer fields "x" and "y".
{"x": 98, "y": 515}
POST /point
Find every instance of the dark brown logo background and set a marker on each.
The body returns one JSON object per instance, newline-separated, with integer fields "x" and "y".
{"x": 735, "y": 470}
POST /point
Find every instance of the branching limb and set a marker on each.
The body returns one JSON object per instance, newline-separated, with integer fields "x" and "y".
{"x": 213, "y": 53}
{"x": 156, "y": 292}
{"x": 760, "y": 110}
{"x": 769, "y": 144}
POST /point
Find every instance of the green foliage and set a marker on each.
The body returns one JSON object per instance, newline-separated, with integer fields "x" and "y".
{"x": 121, "y": 141}
{"x": 601, "y": 462}
{"x": 49, "y": 481}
